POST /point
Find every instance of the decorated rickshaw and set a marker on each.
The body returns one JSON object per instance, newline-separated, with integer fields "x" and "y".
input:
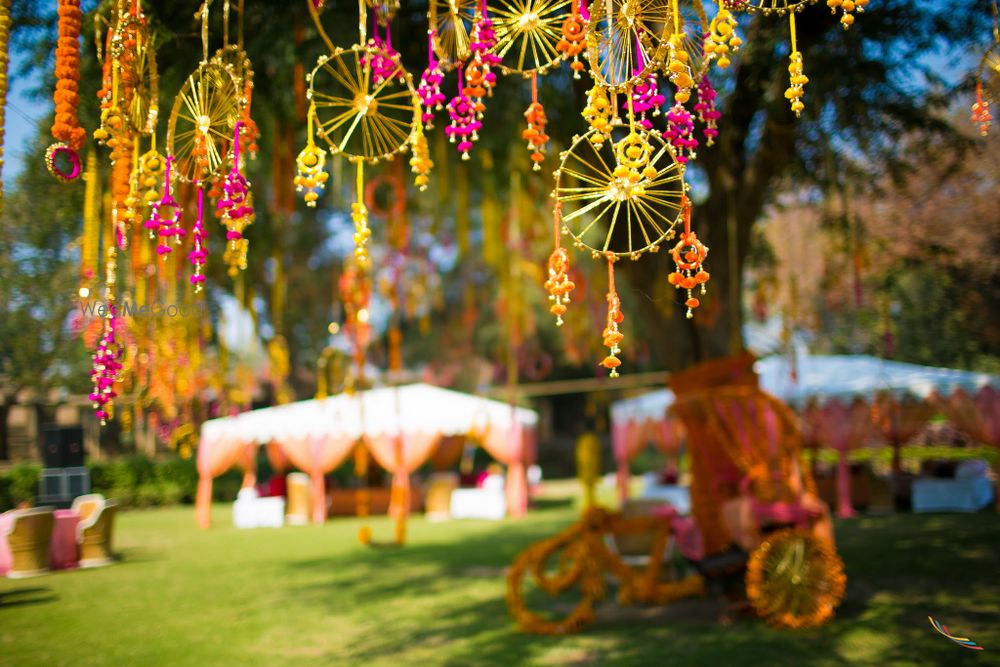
{"x": 756, "y": 521}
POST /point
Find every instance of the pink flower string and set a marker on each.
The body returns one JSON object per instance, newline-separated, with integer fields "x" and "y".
{"x": 646, "y": 95}
{"x": 158, "y": 223}
{"x": 384, "y": 62}
{"x": 479, "y": 73}
{"x": 106, "y": 366}
{"x": 235, "y": 202}
{"x": 464, "y": 126}
{"x": 680, "y": 132}
{"x": 429, "y": 90}
{"x": 705, "y": 108}
{"x": 198, "y": 254}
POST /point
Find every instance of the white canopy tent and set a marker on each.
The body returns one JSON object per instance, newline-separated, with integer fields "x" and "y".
{"x": 400, "y": 426}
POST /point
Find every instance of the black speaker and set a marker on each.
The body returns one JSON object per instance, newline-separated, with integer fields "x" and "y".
{"x": 62, "y": 447}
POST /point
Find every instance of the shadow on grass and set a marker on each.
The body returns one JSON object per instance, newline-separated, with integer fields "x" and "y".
{"x": 900, "y": 570}
{"x": 21, "y": 597}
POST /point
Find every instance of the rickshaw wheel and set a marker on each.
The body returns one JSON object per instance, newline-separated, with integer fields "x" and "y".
{"x": 795, "y": 580}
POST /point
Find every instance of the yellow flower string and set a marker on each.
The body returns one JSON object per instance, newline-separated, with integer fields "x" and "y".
{"x": 797, "y": 77}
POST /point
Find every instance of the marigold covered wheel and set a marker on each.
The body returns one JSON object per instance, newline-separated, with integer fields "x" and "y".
{"x": 795, "y": 580}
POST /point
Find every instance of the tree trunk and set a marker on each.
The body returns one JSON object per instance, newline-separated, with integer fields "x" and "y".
{"x": 755, "y": 145}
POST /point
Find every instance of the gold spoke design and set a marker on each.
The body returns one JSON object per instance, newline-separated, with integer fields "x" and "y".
{"x": 341, "y": 87}
{"x": 593, "y": 197}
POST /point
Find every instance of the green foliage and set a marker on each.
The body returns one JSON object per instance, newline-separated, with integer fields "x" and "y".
{"x": 137, "y": 481}
{"x": 19, "y": 484}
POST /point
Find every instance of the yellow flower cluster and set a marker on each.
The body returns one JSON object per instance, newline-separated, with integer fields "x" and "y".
{"x": 849, "y": 7}
{"x": 597, "y": 113}
{"x": 798, "y": 80}
{"x": 722, "y": 38}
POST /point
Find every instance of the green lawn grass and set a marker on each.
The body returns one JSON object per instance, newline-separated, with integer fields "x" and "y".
{"x": 313, "y": 596}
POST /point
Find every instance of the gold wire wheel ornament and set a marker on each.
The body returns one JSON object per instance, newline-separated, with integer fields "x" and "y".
{"x": 694, "y": 26}
{"x": 620, "y": 198}
{"x": 200, "y": 133}
{"x": 626, "y": 40}
{"x": 139, "y": 77}
{"x": 527, "y": 34}
{"x": 779, "y": 7}
{"x": 451, "y": 21}
{"x": 357, "y": 117}
{"x": 235, "y": 60}
{"x": 795, "y": 580}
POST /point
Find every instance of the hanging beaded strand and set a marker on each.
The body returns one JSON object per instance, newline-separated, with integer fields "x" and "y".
{"x": 198, "y": 253}
{"x": 722, "y": 39}
{"x": 612, "y": 334}
{"x": 689, "y": 255}
{"x": 237, "y": 212}
{"x": 574, "y": 39}
{"x": 558, "y": 285}
{"x": 310, "y": 163}
{"x": 796, "y": 73}
{"x": 680, "y": 124}
{"x": 479, "y": 74}
{"x": 645, "y": 95}
{"x": 107, "y": 357}
{"x": 158, "y": 224}
{"x": 429, "y": 90}
{"x": 535, "y": 132}
{"x": 359, "y": 214}
{"x": 464, "y": 126}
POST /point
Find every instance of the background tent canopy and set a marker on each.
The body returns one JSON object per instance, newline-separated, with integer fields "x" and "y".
{"x": 820, "y": 378}
{"x": 410, "y": 409}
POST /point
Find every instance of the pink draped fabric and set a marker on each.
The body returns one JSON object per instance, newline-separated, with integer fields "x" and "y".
{"x": 842, "y": 427}
{"x": 511, "y": 446}
{"x": 978, "y": 416}
{"x": 317, "y": 456}
{"x": 899, "y": 420}
{"x": 214, "y": 458}
{"x": 402, "y": 454}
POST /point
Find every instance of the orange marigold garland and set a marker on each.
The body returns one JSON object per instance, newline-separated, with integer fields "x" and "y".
{"x": 689, "y": 255}
{"x": 574, "y": 39}
{"x": 612, "y": 335}
{"x": 535, "y": 132}
{"x": 558, "y": 285}
{"x": 795, "y": 580}
{"x": 981, "y": 115}
{"x": 66, "y": 129}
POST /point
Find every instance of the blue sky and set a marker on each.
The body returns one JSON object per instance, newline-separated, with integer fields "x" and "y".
{"x": 23, "y": 114}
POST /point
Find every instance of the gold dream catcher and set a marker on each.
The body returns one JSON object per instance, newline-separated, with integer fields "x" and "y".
{"x": 202, "y": 140}
{"x": 626, "y": 40}
{"x": 616, "y": 199}
{"x": 205, "y": 112}
{"x": 363, "y": 105}
{"x": 451, "y": 22}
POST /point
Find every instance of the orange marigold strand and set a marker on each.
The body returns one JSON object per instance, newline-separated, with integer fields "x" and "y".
{"x": 66, "y": 127}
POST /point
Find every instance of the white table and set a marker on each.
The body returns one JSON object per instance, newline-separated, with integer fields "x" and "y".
{"x": 679, "y": 497}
